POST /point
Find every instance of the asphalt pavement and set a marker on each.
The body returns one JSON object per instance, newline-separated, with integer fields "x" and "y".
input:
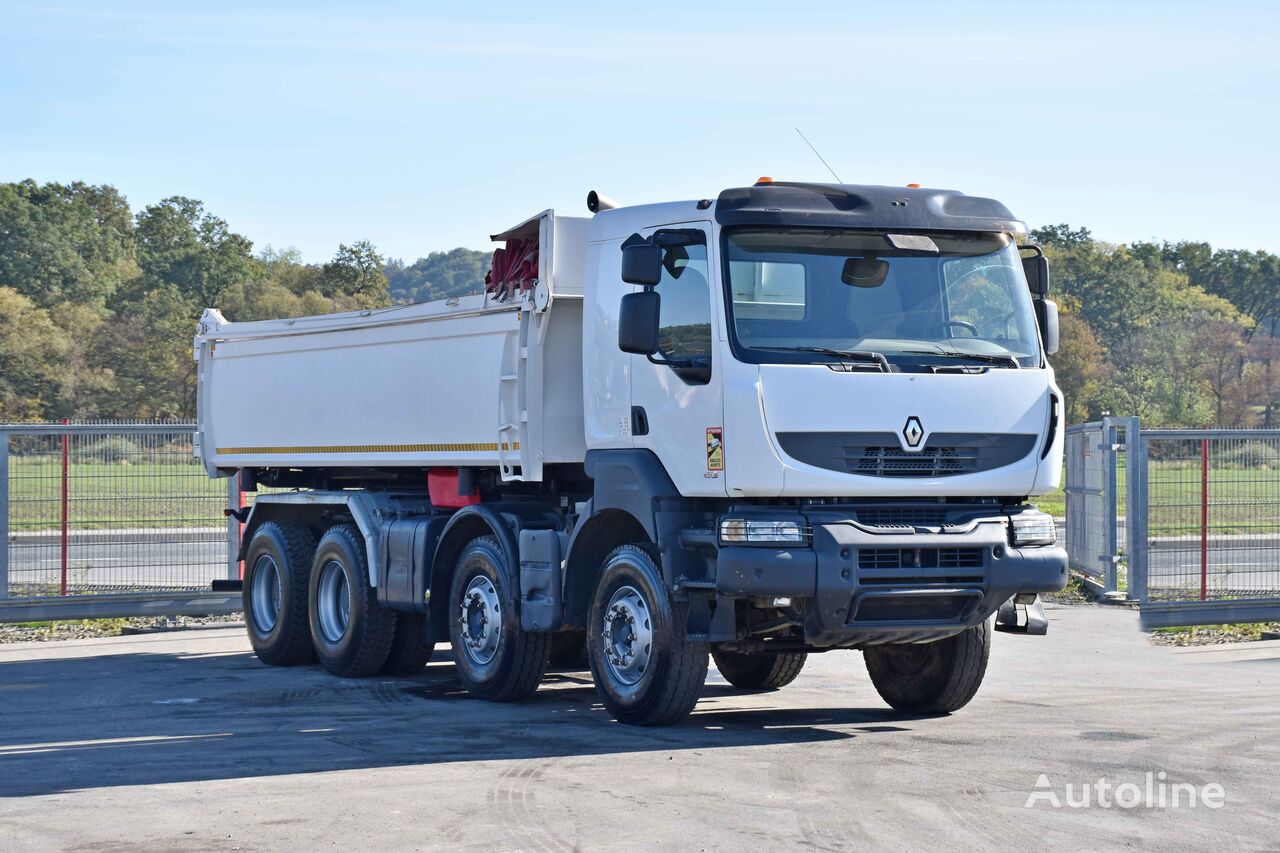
{"x": 184, "y": 741}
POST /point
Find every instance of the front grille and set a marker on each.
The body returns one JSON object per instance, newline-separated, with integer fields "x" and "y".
{"x": 920, "y": 558}
{"x": 895, "y": 462}
{"x": 880, "y": 454}
{"x": 900, "y": 516}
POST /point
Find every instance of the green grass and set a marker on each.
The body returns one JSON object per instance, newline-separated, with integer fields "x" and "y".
{"x": 1241, "y": 500}
{"x": 107, "y": 495}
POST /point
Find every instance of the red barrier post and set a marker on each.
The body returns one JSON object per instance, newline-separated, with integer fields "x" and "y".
{"x": 1204, "y": 519}
{"x": 66, "y": 462}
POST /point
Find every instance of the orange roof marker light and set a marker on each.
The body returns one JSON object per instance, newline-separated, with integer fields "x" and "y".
{"x": 913, "y": 186}
{"x": 764, "y": 180}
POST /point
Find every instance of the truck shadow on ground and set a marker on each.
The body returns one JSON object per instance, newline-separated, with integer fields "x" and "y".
{"x": 148, "y": 718}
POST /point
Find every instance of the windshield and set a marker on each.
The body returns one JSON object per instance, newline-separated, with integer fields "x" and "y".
{"x": 913, "y": 298}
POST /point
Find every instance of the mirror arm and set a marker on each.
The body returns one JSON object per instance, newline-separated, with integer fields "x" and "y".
{"x": 674, "y": 363}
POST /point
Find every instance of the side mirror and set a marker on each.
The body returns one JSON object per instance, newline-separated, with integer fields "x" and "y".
{"x": 1036, "y": 269}
{"x": 642, "y": 264}
{"x": 1047, "y": 318}
{"x": 638, "y": 322}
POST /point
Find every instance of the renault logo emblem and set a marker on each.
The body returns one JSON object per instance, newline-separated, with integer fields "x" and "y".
{"x": 913, "y": 432}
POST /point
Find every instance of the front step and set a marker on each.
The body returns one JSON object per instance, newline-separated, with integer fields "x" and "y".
{"x": 1035, "y": 622}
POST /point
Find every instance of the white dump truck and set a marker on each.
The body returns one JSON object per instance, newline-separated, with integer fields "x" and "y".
{"x": 790, "y": 419}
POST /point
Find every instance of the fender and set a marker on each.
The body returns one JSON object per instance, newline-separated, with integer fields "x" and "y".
{"x": 502, "y": 519}
{"x": 367, "y": 509}
{"x": 631, "y": 480}
{"x": 492, "y": 519}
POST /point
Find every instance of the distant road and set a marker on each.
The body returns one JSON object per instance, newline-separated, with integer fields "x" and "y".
{"x": 178, "y": 557}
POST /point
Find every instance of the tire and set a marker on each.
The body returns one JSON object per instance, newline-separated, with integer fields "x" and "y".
{"x": 569, "y": 650}
{"x": 410, "y": 648}
{"x": 644, "y": 684}
{"x": 931, "y": 678}
{"x": 759, "y": 672}
{"x": 277, "y": 570}
{"x": 355, "y": 641}
{"x": 495, "y": 659}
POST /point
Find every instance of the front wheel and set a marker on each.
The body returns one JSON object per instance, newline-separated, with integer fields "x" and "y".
{"x": 931, "y": 678}
{"x": 495, "y": 659}
{"x": 646, "y": 670}
{"x": 759, "y": 672}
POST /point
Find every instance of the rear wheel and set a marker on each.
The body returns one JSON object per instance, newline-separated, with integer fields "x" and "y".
{"x": 410, "y": 648}
{"x": 646, "y": 670}
{"x": 759, "y": 672}
{"x": 495, "y": 659}
{"x": 277, "y": 569}
{"x": 931, "y": 678}
{"x": 351, "y": 632}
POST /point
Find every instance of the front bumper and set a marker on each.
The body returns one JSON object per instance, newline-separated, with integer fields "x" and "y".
{"x": 863, "y": 585}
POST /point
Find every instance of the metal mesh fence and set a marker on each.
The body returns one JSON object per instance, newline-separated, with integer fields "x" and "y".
{"x": 1213, "y": 517}
{"x": 1095, "y": 496}
{"x": 94, "y": 508}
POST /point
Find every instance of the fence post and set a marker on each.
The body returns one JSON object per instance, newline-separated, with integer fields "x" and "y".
{"x": 1111, "y": 580}
{"x": 4, "y": 514}
{"x": 66, "y": 462}
{"x": 235, "y": 498}
{"x": 1135, "y": 528}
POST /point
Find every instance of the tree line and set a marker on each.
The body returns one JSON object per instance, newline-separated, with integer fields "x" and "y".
{"x": 1179, "y": 334}
{"x": 98, "y": 306}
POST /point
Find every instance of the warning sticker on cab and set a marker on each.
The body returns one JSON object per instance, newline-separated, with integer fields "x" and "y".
{"x": 715, "y": 449}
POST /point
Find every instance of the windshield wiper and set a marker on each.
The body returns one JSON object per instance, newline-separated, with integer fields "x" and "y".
{"x": 1006, "y": 360}
{"x": 847, "y": 354}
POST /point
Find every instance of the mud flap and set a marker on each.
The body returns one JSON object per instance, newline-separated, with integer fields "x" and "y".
{"x": 1034, "y": 620}
{"x": 541, "y": 607}
{"x": 707, "y": 625}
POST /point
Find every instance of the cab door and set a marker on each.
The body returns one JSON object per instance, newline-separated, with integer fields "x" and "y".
{"x": 677, "y": 395}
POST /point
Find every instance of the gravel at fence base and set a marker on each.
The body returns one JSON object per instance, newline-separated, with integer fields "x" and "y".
{"x": 1216, "y": 635}
{"x": 86, "y": 628}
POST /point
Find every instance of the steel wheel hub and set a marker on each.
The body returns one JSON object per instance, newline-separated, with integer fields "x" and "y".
{"x": 628, "y": 635}
{"x": 264, "y": 594}
{"x": 333, "y": 601}
{"x": 480, "y": 615}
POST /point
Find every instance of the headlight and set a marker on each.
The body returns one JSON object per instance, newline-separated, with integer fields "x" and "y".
{"x": 1032, "y": 528}
{"x": 750, "y": 531}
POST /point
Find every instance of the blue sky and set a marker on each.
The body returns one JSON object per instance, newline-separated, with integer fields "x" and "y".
{"x": 424, "y": 126}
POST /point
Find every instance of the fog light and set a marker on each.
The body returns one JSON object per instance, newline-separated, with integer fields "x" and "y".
{"x": 1032, "y": 527}
{"x": 750, "y": 531}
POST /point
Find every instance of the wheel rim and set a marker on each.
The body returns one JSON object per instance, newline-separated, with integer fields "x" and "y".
{"x": 333, "y": 601}
{"x": 480, "y": 615}
{"x": 265, "y": 594}
{"x": 627, "y": 633}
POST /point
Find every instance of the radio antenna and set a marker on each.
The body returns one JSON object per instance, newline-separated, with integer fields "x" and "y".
{"x": 820, "y": 157}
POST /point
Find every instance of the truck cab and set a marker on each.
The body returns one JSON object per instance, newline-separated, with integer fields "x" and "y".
{"x": 812, "y": 417}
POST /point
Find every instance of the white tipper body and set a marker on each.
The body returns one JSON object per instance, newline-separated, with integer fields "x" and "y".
{"x": 540, "y": 380}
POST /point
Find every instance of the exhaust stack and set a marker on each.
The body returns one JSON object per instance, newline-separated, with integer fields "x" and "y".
{"x": 597, "y": 202}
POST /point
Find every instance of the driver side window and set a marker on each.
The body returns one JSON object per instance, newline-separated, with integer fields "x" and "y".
{"x": 978, "y": 296}
{"x": 684, "y": 322}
